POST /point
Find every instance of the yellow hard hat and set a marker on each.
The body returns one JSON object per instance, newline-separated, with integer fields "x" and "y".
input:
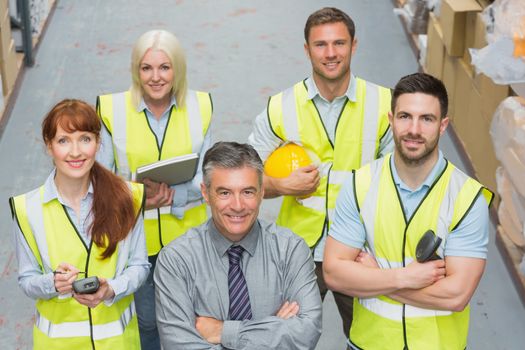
{"x": 285, "y": 159}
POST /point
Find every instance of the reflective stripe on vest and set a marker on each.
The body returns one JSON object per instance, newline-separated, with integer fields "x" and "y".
{"x": 83, "y": 328}
{"x": 370, "y": 125}
{"x": 294, "y": 117}
{"x": 120, "y": 136}
{"x": 394, "y": 312}
{"x": 184, "y": 134}
{"x": 447, "y": 201}
{"x": 290, "y": 111}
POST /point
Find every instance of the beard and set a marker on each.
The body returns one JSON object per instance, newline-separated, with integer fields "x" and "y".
{"x": 418, "y": 159}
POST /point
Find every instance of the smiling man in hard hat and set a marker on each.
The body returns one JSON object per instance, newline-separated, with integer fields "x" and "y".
{"x": 340, "y": 118}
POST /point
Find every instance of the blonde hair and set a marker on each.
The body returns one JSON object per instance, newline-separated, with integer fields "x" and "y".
{"x": 169, "y": 44}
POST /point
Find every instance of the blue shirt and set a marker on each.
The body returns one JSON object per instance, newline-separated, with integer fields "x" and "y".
{"x": 39, "y": 286}
{"x": 469, "y": 239}
{"x": 185, "y": 192}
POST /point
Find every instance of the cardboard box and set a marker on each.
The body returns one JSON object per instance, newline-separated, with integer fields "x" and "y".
{"x": 4, "y": 8}
{"x": 9, "y": 69}
{"x": 511, "y": 230}
{"x": 475, "y": 36}
{"x": 485, "y": 3}
{"x": 435, "y": 56}
{"x": 462, "y": 89}
{"x": 513, "y": 163}
{"x": 5, "y": 35}
{"x": 510, "y": 215}
{"x": 478, "y": 143}
{"x": 492, "y": 94}
{"x": 453, "y": 20}
{"x": 472, "y": 127}
{"x": 515, "y": 202}
{"x": 450, "y": 66}
{"x": 480, "y": 32}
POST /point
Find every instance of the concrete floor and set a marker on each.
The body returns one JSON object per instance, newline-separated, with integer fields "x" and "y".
{"x": 240, "y": 51}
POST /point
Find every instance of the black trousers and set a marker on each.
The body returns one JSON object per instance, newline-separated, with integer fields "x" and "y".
{"x": 345, "y": 303}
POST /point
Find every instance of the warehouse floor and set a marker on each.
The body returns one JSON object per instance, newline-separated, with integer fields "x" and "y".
{"x": 241, "y": 52}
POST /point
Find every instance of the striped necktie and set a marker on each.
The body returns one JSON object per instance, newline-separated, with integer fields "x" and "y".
{"x": 240, "y": 308}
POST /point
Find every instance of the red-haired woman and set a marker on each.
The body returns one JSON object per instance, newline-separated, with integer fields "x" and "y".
{"x": 83, "y": 221}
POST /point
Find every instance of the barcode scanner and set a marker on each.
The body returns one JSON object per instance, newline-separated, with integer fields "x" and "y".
{"x": 87, "y": 285}
{"x": 427, "y": 246}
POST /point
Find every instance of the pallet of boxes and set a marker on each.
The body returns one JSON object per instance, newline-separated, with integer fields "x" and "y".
{"x": 468, "y": 49}
{"x": 508, "y": 135}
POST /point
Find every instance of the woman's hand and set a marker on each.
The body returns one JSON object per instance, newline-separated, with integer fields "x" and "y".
{"x": 157, "y": 194}
{"x": 104, "y": 292}
{"x": 64, "y": 276}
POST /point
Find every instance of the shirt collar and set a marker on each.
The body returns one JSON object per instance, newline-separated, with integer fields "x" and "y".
{"x": 313, "y": 91}
{"x": 222, "y": 244}
{"x": 436, "y": 170}
{"x": 51, "y": 192}
{"x": 143, "y": 106}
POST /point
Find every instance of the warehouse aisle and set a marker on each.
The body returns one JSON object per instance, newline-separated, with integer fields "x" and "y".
{"x": 240, "y": 51}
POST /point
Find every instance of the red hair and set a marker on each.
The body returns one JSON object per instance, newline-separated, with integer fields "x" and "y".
{"x": 113, "y": 212}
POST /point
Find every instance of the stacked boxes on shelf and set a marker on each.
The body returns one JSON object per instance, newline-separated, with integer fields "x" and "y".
{"x": 473, "y": 98}
{"x": 508, "y": 135}
{"x": 473, "y": 101}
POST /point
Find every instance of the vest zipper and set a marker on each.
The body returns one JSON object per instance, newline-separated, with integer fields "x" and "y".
{"x": 339, "y": 118}
{"x": 407, "y": 223}
{"x": 324, "y": 127}
{"x": 159, "y": 148}
{"x": 86, "y": 267}
{"x": 89, "y": 309}
{"x": 404, "y": 305}
{"x": 91, "y": 329}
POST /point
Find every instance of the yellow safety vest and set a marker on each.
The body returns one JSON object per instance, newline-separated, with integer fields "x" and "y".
{"x": 381, "y": 322}
{"x": 135, "y": 145}
{"x": 63, "y": 323}
{"x": 361, "y": 125}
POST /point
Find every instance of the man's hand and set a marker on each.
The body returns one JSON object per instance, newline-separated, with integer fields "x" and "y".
{"x": 367, "y": 259}
{"x": 416, "y": 275}
{"x": 288, "y": 310}
{"x": 300, "y": 183}
{"x": 157, "y": 194}
{"x": 64, "y": 276}
{"x": 420, "y": 275}
{"x": 209, "y": 328}
{"x": 104, "y": 292}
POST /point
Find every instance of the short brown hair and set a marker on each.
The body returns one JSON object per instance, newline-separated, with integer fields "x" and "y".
{"x": 422, "y": 83}
{"x": 328, "y": 15}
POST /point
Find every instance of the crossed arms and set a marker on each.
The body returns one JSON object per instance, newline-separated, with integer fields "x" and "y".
{"x": 293, "y": 326}
{"x": 442, "y": 284}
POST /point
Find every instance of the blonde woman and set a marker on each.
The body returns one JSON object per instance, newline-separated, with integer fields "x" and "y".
{"x": 157, "y": 118}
